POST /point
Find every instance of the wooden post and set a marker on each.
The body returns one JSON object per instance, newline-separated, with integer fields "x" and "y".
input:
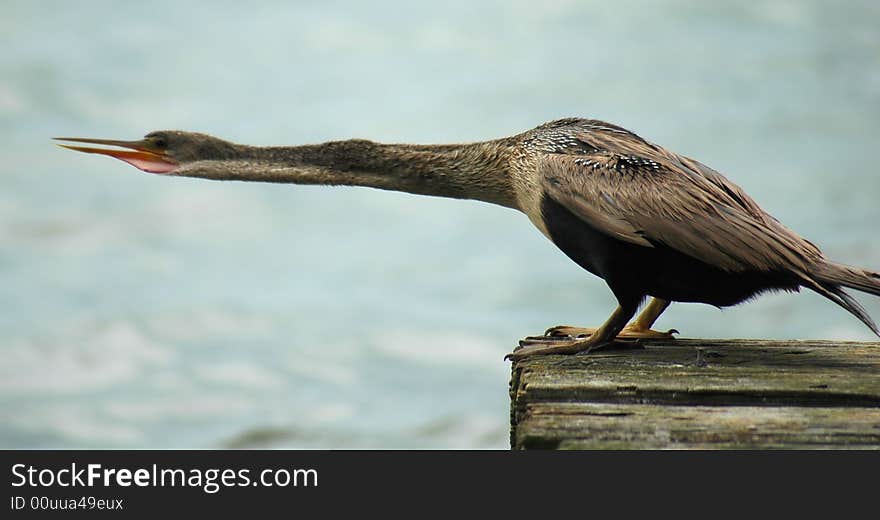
{"x": 700, "y": 394}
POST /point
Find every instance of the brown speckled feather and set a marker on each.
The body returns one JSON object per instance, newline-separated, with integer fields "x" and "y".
{"x": 645, "y": 195}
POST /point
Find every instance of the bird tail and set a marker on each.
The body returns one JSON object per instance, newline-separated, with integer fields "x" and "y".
{"x": 830, "y": 278}
{"x": 848, "y": 276}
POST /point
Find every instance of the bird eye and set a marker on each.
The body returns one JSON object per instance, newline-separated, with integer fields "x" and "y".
{"x": 160, "y": 142}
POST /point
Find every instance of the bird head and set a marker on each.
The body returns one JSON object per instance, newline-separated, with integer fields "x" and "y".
{"x": 162, "y": 152}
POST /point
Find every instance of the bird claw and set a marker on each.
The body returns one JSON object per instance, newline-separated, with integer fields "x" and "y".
{"x": 567, "y": 331}
{"x": 544, "y": 348}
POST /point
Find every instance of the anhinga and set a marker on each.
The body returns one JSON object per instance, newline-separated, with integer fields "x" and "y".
{"x": 648, "y": 221}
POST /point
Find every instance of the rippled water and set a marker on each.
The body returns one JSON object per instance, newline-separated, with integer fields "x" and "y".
{"x": 146, "y": 312}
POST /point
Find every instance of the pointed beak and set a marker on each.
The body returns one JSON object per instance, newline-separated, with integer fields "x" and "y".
{"x": 140, "y": 154}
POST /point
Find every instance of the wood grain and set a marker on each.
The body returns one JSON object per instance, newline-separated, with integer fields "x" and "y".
{"x": 701, "y": 394}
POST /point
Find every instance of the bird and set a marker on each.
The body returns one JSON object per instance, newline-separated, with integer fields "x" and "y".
{"x": 656, "y": 226}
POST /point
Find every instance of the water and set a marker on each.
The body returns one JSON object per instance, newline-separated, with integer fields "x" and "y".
{"x": 146, "y": 312}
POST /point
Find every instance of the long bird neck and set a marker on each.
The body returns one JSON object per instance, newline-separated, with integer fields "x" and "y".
{"x": 477, "y": 171}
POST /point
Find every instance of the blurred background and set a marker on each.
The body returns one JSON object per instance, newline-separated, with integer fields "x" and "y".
{"x": 146, "y": 312}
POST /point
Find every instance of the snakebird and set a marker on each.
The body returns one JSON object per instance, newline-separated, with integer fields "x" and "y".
{"x": 650, "y": 222}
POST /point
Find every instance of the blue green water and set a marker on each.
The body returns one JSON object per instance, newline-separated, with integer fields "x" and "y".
{"x": 146, "y": 312}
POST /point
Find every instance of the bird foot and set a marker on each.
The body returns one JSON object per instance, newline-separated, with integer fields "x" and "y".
{"x": 565, "y": 339}
{"x": 628, "y": 332}
{"x": 546, "y": 346}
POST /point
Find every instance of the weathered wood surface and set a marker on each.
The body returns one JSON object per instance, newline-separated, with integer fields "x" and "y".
{"x": 701, "y": 394}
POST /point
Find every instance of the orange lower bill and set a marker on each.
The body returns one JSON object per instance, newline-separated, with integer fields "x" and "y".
{"x": 138, "y": 157}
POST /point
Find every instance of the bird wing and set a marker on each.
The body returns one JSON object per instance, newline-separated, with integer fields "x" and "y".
{"x": 647, "y": 196}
